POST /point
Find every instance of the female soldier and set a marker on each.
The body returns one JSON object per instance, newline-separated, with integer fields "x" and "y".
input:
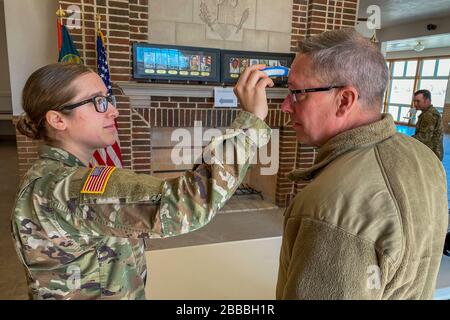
{"x": 79, "y": 231}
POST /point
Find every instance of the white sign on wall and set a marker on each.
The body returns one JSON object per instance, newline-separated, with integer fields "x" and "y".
{"x": 224, "y": 97}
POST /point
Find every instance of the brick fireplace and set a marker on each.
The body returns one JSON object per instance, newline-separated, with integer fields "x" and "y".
{"x": 144, "y": 107}
{"x": 180, "y": 106}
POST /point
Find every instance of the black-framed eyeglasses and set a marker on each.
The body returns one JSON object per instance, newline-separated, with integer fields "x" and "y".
{"x": 293, "y": 93}
{"x": 100, "y": 103}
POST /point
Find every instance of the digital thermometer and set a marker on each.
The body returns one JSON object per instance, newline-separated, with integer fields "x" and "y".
{"x": 278, "y": 71}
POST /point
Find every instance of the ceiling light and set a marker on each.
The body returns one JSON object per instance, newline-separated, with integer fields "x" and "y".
{"x": 419, "y": 46}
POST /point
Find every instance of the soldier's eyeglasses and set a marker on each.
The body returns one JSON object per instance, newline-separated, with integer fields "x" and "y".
{"x": 100, "y": 103}
{"x": 294, "y": 93}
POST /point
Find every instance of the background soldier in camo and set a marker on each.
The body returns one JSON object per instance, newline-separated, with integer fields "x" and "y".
{"x": 79, "y": 231}
{"x": 429, "y": 125}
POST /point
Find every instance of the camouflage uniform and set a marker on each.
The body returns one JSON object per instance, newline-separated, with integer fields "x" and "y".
{"x": 429, "y": 131}
{"x": 90, "y": 246}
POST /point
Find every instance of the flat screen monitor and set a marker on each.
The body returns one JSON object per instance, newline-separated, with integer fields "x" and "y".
{"x": 234, "y": 63}
{"x": 169, "y": 62}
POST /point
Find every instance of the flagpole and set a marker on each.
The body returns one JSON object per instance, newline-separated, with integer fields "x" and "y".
{"x": 61, "y": 13}
{"x": 98, "y": 17}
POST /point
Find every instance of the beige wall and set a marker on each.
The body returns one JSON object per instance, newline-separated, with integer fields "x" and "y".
{"x": 31, "y": 39}
{"x": 267, "y": 27}
{"x": 5, "y": 88}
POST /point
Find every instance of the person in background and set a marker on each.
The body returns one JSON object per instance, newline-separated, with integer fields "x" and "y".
{"x": 79, "y": 231}
{"x": 234, "y": 65}
{"x": 429, "y": 125}
{"x": 364, "y": 227}
{"x": 194, "y": 63}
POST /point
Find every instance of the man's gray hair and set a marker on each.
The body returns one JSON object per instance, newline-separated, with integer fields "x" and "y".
{"x": 344, "y": 57}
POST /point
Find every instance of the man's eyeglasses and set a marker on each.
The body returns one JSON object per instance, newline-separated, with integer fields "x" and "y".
{"x": 100, "y": 103}
{"x": 294, "y": 93}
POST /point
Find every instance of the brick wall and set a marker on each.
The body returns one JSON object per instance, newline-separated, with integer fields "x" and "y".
{"x": 299, "y": 22}
{"x": 124, "y": 22}
{"x": 183, "y": 111}
{"x": 26, "y": 150}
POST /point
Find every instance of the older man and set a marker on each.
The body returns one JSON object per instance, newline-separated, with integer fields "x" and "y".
{"x": 429, "y": 125}
{"x": 365, "y": 227}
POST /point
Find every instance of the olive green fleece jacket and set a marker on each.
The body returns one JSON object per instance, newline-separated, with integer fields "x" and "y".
{"x": 371, "y": 224}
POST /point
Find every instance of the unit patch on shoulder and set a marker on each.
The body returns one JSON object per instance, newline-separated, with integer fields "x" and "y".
{"x": 97, "y": 180}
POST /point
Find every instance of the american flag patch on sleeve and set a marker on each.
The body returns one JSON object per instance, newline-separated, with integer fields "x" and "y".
{"x": 97, "y": 180}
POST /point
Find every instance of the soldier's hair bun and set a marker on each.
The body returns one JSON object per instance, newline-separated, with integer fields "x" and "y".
{"x": 27, "y": 127}
{"x": 39, "y": 96}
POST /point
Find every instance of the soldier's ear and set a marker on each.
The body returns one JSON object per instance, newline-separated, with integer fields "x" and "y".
{"x": 347, "y": 98}
{"x": 56, "y": 120}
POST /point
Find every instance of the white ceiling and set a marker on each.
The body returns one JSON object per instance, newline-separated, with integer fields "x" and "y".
{"x": 396, "y": 12}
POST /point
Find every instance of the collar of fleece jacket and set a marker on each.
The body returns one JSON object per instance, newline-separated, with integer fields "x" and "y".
{"x": 347, "y": 141}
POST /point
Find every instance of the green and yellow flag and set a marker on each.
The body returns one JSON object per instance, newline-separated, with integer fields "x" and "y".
{"x": 68, "y": 52}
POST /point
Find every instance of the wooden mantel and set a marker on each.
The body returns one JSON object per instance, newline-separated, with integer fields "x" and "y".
{"x": 140, "y": 93}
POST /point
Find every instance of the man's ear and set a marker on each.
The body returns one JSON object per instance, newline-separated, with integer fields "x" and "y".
{"x": 348, "y": 96}
{"x": 56, "y": 120}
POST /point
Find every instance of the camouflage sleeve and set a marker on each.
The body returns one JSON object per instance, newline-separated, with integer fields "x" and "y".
{"x": 192, "y": 200}
{"x": 142, "y": 206}
{"x": 425, "y": 129}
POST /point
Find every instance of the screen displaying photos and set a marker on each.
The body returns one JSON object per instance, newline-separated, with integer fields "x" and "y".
{"x": 235, "y": 62}
{"x": 237, "y": 65}
{"x": 176, "y": 63}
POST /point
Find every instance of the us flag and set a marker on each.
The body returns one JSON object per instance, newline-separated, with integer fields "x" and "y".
{"x": 97, "y": 180}
{"x": 111, "y": 155}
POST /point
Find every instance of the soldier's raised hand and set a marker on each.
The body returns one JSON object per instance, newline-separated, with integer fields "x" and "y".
{"x": 251, "y": 90}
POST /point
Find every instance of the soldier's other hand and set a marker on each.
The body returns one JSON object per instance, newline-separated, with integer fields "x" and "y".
{"x": 251, "y": 90}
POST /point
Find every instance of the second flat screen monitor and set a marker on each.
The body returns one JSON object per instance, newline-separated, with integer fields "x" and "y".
{"x": 233, "y": 63}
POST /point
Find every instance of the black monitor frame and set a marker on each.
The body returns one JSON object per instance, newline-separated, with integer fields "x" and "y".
{"x": 227, "y": 56}
{"x": 167, "y": 73}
